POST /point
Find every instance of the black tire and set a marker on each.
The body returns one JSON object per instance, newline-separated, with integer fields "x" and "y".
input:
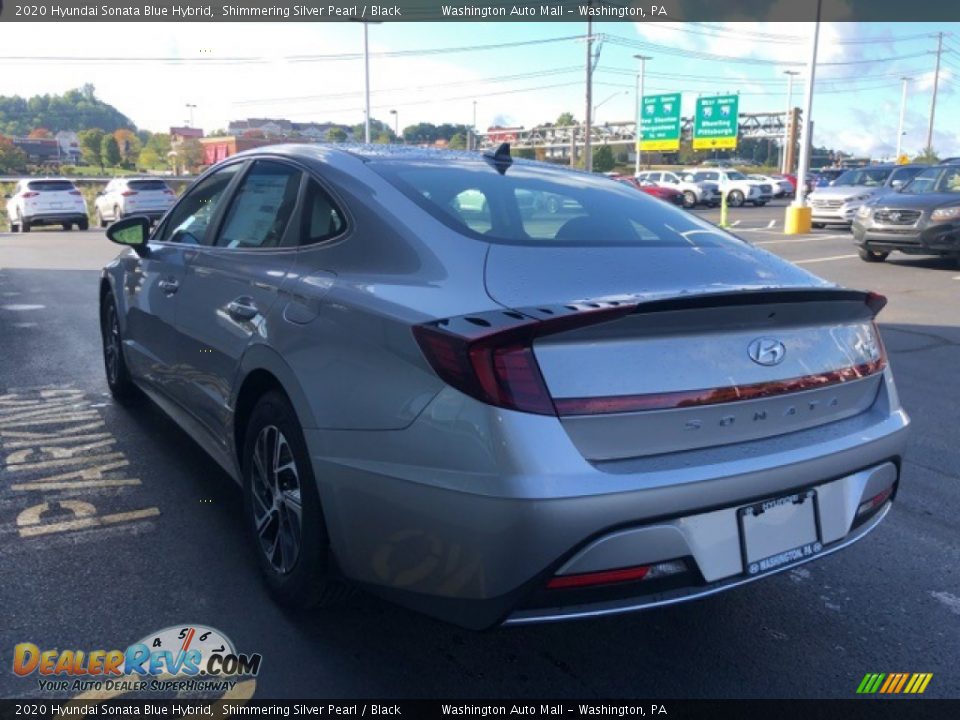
{"x": 759, "y": 203}
{"x": 299, "y": 577}
{"x": 817, "y": 226}
{"x": 100, "y": 221}
{"x": 689, "y": 199}
{"x": 25, "y": 225}
{"x": 871, "y": 256}
{"x": 735, "y": 198}
{"x": 114, "y": 364}
{"x": 84, "y": 224}
{"x": 14, "y": 226}
{"x": 67, "y": 226}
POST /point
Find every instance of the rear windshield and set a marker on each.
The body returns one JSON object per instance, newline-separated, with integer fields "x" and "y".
{"x": 867, "y": 177}
{"x": 531, "y": 205}
{"x": 147, "y": 185}
{"x": 50, "y": 185}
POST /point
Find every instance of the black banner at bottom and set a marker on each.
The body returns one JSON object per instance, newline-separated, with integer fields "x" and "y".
{"x": 901, "y": 708}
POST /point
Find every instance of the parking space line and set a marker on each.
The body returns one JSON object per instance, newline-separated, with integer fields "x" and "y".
{"x": 823, "y": 259}
{"x": 812, "y": 238}
{"x": 772, "y": 223}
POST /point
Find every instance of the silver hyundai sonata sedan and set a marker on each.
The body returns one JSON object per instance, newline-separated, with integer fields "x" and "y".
{"x": 499, "y": 391}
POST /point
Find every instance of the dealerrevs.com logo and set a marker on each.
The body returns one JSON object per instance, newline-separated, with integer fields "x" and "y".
{"x": 178, "y": 658}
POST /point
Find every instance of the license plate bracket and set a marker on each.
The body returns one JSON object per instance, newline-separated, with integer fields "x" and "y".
{"x": 779, "y": 531}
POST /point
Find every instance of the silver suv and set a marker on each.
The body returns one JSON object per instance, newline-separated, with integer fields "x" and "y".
{"x": 495, "y": 415}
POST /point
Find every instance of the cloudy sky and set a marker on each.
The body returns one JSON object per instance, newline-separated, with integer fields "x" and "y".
{"x": 434, "y": 72}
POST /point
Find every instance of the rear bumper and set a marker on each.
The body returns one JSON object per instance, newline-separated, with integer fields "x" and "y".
{"x": 834, "y": 216}
{"x": 56, "y": 217}
{"x": 468, "y": 512}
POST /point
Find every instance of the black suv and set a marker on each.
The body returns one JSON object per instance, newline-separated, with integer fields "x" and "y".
{"x": 921, "y": 218}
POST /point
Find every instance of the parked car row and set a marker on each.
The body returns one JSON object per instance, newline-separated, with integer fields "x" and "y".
{"x": 56, "y": 201}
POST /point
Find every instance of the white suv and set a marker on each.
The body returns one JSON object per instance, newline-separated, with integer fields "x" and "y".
{"x": 133, "y": 196}
{"x": 739, "y": 188}
{"x": 47, "y": 201}
{"x": 694, "y": 193}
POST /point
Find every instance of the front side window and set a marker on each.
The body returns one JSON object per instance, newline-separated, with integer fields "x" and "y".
{"x": 261, "y": 207}
{"x": 190, "y": 219}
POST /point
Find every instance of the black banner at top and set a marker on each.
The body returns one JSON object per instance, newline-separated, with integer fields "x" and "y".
{"x": 473, "y": 11}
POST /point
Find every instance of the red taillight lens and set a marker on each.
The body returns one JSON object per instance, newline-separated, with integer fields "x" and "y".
{"x": 876, "y": 302}
{"x": 30, "y": 194}
{"x": 502, "y": 375}
{"x": 490, "y": 356}
{"x": 128, "y": 193}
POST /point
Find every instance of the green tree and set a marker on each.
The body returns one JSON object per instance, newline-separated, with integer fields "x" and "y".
{"x": 566, "y": 119}
{"x": 110, "y": 151}
{"x": 337, "y": 135}
{"x": 90, "y": 143}
{"x": 149, "y": 160}
{"x": 527, "y": 153}
{"x": 74, "y": 110}
{"x": 458, "y": 142}
{"x": 384, "y": 138}
{"x": 928, "y": 156}
{"x": 190, "y": 154}
{"x": 12, "y": 158}
{"x": 603, "y": 160}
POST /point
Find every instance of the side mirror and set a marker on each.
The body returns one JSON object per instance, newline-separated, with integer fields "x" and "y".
{"x": 6, "y": 197}
{"x": 131, "y": 232}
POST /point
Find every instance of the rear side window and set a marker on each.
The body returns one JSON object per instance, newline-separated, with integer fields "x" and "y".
{"x": 261, "y": 207}
{"x": 144, "y": 185}
{"x": 50, "y": 185}
{"x": 533, "y": 205}
{"x": 321, "y": 220}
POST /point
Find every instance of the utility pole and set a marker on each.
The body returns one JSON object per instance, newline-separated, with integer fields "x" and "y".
{"x": 903, "y": 109}
{"x": 587, "y": 150}
{"x": 191, "y": 107}
{"x": 474, "y": 126}
{"x": 637, "y": 116}
{"x": 933, "y": 101}
{"x": 785, "y": 168}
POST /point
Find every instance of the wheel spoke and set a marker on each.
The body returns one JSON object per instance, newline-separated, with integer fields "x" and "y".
{"x": 277, "y": 502}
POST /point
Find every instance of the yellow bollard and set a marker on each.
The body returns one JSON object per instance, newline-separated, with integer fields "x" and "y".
{"x": 723, "y": 209}
{"x": 797, "y": 220}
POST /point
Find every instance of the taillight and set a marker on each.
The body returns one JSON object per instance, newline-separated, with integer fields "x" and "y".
{"x": 876, "y": 302}
{"x": 30, "y": 195}
{"x": 489, "y": 356}
{"x": 128, "y": 193}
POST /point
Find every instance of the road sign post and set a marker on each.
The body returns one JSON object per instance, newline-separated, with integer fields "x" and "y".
{"x": 715, "y": 123}
{"x": 660, "y": 123}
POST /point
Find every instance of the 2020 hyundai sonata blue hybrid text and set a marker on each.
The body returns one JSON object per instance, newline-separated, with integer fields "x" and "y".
{"x": 430, "y": 385}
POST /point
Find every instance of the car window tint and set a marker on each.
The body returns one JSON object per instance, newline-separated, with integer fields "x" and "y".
{"x": 950, "y": 181}
{"x": 190, "y": 219}
{"x": 322, "y": 220}
{"x": 147, "y": 185}
{"x": 653, "y": 177}
{"x": 471, "y": 207}
{"x": 261, "y": 207}
{"x": 50, "y": 185}
{"x": 545, "y": 214}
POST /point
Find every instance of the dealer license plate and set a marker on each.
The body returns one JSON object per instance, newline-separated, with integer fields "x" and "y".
{"x": 779, "y": 532}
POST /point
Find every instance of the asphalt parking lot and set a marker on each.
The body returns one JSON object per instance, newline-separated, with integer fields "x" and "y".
{"x": 159, "y": 541}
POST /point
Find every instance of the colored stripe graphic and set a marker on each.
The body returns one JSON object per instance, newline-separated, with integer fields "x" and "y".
{"x": 894, "y": 683}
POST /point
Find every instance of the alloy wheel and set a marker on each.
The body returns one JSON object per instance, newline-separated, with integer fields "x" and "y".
{"x": 277, "y": 506}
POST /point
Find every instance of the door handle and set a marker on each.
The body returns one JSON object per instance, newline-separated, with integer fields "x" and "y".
{"x": 243, "y": 308}
{"x": 169, "y": 286}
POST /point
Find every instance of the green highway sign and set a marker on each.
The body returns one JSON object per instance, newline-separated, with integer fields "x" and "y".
{"x": 715, "y": 122}
{"x": 660, "y": 122}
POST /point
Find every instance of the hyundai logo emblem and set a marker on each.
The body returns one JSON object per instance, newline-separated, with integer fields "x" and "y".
{"x": 766, "y": 351}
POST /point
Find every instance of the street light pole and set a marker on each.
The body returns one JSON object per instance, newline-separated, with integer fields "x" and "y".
{"x": 637, "y": 116}
{"x": 191, "y": 107}
{"x": 933, "y": 101}
{"x": 786, "y": 125}
{"x": 903, "y": 109}
{"x": 474, "y": 126}
{"x": 366, "y": 85}
{"x": 805, "y": 138}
